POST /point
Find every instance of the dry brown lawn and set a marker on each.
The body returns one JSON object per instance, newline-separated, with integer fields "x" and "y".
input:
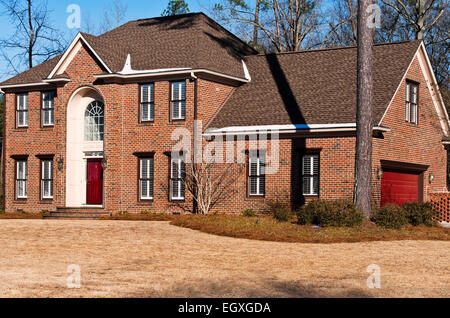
{"x": 156, "y": 259}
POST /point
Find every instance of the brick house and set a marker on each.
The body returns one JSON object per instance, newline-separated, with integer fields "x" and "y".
{"x": 92, "y": 128}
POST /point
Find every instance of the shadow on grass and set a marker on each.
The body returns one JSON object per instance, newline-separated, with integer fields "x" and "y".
{"x": 269, "y": 287}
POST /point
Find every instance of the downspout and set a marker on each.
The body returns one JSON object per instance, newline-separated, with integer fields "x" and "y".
{"x": 193, "y": 159}
{"x": 3, "y": 157}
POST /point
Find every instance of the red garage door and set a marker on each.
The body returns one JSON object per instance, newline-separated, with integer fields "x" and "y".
{"x": 399, "y": 187}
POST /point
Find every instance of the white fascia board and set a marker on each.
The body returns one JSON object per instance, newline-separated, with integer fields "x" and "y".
{"x": 78, "y": 37}
{"x": 435, "y": 93}
{"x": 164, "y": 72}
{"x": 24, "y": 85}
{"x": 285, "y": 129}
{"x": 56, "y": 80}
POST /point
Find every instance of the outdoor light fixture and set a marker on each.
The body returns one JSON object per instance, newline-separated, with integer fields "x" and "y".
{"x": 379, "y": 173}
{"x": 60, "y": 163}
{"x": 430, "y": 177}
{"x": 104, "y": 163}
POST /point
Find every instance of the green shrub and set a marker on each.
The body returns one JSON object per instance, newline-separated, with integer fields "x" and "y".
{"x": 419, "y": 213}
{"x": 330, "y": 213}
{"x": 280, "y": 211}
{"x": 248, "y": 213}
{"x": 2, "y": 211}
{"x": 390, "y": 216}
{"x": 145, "y": 212}
{"x": 123, "y": 213}
{"x": 45, "y": 213}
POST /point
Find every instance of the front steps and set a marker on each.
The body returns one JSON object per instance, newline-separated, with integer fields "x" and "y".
{"x": 77, "y": 214}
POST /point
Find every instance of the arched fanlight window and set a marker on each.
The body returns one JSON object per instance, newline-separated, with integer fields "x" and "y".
{"x": 94, "y": 122}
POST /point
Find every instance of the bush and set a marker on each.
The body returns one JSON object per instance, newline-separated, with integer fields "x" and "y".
{"x": 419, "y": 213}
{"x": 45, "y": 213}
{"x": 248, "y": 213}
{"x": 391, "y": 216}
{"x": 280, "y": 211}
{"x": 123, "y": 213}
{"x": 330, "y": 213}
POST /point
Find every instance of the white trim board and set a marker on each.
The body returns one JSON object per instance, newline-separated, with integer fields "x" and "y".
{"x": 70, "y": 53}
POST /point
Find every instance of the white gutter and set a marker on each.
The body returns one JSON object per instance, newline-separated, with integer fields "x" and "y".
{"x": 186, "y": 71}
{"x": 286, "y": 129}
{"x": 56, "y": 80}
{"x": 24, "y": 85}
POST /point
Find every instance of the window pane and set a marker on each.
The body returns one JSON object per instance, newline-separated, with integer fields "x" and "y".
{"x": 307, "y": 165}
{"x": 306, "y": 185}
{"x": 262, "y": 185}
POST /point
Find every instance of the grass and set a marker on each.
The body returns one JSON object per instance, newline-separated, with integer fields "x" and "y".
{"x": 32, "y": 216}
{"x": 156, "y": 259}
{"x": 267, "y": 228}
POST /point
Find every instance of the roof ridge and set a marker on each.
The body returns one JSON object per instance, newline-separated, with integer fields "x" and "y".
{"x": 333, "y": 48}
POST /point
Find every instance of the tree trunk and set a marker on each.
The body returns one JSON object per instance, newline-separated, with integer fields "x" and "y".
{"x": 363, "y": 161}
{"x": 255, "y": 28}
{"x": 31, "y": 41}
{"x": 420, "y": 8}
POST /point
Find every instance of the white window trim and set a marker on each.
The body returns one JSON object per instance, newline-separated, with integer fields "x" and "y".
{"x": 46, "y": 180}
{"x": 25, "y": 164}
{"x": 19, "y": 125}
{"x": 258, "y": 176}
{"x": 180, "y": 182}
{"x": 150, "y": 101}
{"x": 173, "y": 101}
{"x": 150, "y": 180}
{"x": 311, "y": 176}
{"x": 52, "y": 109}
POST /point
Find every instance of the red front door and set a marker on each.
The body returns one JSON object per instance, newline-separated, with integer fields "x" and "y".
{"x": 94, "y": 187}
{"x": 398, "y": 188}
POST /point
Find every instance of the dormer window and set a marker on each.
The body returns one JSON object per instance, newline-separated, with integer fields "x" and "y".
{"x": 178, "y": 100}
{"x": 411, "y": 107}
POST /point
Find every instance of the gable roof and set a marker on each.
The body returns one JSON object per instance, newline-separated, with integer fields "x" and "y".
{"x": 313, "y": 87}
{"x": 183, "y": 41}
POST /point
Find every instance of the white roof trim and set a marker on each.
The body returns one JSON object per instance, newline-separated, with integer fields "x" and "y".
{"x": 433, "y": 87}
{"x": 288, "y": 129}
{"x": 174, "y": 71}
{"x": 78, "y": 37}
{"x": 56, "y": 80}
{"x": 128, "y": 70}
{"x": 24, "y": 85}
{"x": 246, "y": 72}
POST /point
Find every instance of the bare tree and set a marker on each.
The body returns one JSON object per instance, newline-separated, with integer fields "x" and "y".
{"x": 285, "y": 24}
{"x": 363, "y": 160}
{"x": 342, "y": 25}
{"x": 113, "y": 15}
{"x": 34, "y": 39}
{"x": 210, "y": 183}
{"x": 418, "y": 13}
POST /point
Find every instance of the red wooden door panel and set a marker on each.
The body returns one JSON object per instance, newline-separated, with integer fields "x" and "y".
{"x": 94, "y": 187}
{"x": 398, "y": 188}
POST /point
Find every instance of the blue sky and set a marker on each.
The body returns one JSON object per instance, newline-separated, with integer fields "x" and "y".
{"x": 137, "y": 9}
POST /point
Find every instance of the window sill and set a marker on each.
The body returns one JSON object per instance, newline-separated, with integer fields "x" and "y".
{"x": 256, "y": 197}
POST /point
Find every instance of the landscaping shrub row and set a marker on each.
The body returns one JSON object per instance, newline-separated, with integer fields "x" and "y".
{"x": 330, "y": 213}
{"x": 343, "y": 213}
{"x": 395, "y": 216}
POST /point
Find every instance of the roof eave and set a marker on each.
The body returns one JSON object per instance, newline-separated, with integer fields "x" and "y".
{"x": 183, "y": 71}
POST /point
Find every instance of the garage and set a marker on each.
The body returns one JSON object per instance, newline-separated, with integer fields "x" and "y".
{"x": 401, "y": 182}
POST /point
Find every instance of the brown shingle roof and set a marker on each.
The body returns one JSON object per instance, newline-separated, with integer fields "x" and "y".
{"x": 190, "y": 40}
{"x": 313, "y": 87}
{"x": 35, "y": 74}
